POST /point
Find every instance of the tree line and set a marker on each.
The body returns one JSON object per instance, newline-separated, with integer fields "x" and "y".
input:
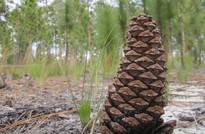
{"x": 78, "y": 30}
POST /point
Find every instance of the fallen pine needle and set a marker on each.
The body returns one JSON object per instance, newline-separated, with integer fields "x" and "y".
{"x": 20, "y": 122}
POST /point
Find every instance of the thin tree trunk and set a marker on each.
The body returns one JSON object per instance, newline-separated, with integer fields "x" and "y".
{"x": 170, "y": 43}
{"x": 75, "y": 54}
{"x": 67, "y": 47}
{"x": 182, "y": 41}
{"x": 60, "y": 51}
{"x": 160, "y": 20}
{"x": 144, "y": 2}
{"x": 27, "y": 56}
{"x": 199, "y": 54}
{"x": 89, "y": 46}
{"x": 181, "y": 38}
{"x": 17, "y": 54}
{"x": 159, "y": 15}
{"x": 48, "y": 53}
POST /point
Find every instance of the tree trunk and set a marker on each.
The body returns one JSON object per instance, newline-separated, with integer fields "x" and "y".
{"x": 182, "y": 41}
{"x": 144, "y": 3}
{"x": 170, "y": 47}
{"x": 67, "y": 47}
{"x": 200, "y": 50}
{"x": 159, "y": 15}
{"x": 89, "y": 44}
{"x": 75, "y": 54}
{"x": 48, "y": 53}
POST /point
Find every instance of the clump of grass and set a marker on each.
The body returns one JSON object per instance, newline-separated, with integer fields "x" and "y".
{"x": 182, "y": 75}
{"x": 189, "y": 62}
{"x": 53, "y": 69}
{"x": 84, "y": 112}
{"x": 35, "y": 70}
{"x": 182, "y": 72}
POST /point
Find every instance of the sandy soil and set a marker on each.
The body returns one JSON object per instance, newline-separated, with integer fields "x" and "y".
{"x": 28, "y": 107}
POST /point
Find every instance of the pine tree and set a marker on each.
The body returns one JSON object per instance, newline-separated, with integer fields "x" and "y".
{"x": 135, "y": 100}
{"x": 28, "y": 26}
{"x": 107, "y": 35}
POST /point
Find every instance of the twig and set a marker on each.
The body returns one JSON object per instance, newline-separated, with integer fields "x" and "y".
{"x": 92, "y": 129}
{"x": 91, "y": 120}
{"x": 20, "y": 122}
{"x": 20, "y": 116}
{"x": 39, "y": 124}
{"x": 69, "y": 87}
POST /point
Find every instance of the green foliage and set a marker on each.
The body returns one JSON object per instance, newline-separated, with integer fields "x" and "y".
{"x": 76, "y": 69}
{"x": 99, "y": 32}
{"x": 27, "y": 25}
{"x": 189, "y": 60}
{"x": 84, "y": 112}
{"x": 107, "y": 36}
{"x": 182, "y": 75}
{"x": 122, "y": 18}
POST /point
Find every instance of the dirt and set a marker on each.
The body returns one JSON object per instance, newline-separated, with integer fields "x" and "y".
{"x": 27, "y": 106}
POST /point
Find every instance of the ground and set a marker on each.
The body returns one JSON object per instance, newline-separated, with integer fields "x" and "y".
{"x": 30, "y": 106}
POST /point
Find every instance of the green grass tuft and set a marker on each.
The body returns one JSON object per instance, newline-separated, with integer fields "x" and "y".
{"x": 84, "y": 112}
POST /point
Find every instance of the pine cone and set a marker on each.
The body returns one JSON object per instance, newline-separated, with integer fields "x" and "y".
{"x": 135, "y": 100}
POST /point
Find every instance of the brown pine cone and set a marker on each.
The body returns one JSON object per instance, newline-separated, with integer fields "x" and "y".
{"x": 135, "y": 100}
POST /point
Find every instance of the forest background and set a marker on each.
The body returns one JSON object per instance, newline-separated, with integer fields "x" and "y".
{"x": 58, "y": 37}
